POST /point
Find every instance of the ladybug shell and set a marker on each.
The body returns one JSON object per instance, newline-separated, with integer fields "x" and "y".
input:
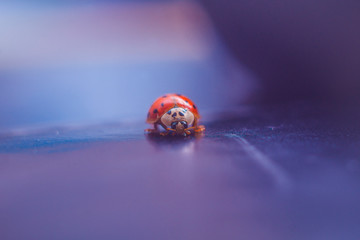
{"x": 167, "y": 102}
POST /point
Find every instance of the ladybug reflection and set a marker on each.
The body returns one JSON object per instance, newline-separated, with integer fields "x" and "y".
{"x": 177, "y": 114}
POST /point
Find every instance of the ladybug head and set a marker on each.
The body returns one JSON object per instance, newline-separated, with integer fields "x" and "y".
{"x": 179, "y": 126}
{"x": 178, "y": 119}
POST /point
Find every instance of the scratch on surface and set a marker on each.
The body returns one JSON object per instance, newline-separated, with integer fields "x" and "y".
{"x": 279, "y": 176}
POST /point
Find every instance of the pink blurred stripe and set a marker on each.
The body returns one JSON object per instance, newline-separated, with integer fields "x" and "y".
{"x": 103, "y": 33}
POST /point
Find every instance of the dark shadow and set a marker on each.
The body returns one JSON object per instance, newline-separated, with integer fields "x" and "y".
{"x": 172, "y": 142}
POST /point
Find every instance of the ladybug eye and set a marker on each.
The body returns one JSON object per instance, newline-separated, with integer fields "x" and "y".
{"x": 184, "y": 124}
{"x": 173, "y": 125}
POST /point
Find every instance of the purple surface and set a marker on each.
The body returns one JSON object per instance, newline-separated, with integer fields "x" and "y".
{"x": 260, "y": 176}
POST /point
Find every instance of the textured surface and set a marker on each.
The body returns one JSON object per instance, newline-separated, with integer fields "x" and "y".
{"x": 274, "y": 173}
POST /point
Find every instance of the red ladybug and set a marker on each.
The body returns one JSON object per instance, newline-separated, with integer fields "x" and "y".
{"x": 176, "y": 113}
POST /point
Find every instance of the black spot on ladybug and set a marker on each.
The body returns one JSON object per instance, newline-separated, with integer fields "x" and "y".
{"x": 186, "y": 101}
{"x": 162, "y": 104}
{"x": 155, "y": 110}
{"x": 174, "y": 114}
{"x": 169, "y": 112}
{"x": 164, "y": 96}
{"x": 194, "y": 106}
{"x": 181, "y": 114}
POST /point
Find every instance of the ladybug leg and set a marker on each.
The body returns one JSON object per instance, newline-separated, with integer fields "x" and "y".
{"x": 199, "y": 128}
{"x": 195, "y": 128}
{"x": 168, "y": 130}
{"x": 187, "y": 130}
{"x": 152, "y": 130}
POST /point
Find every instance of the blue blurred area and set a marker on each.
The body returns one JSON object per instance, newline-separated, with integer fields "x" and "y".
{"x": 66, "y": 63}
{"x": 59, "y": 3}
{"x": 103, "y": 93}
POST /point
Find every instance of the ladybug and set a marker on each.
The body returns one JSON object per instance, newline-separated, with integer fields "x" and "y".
{"x": 177, "y": 114}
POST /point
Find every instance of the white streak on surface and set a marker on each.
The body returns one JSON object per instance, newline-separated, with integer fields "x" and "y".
{"x": 276, "y": 173}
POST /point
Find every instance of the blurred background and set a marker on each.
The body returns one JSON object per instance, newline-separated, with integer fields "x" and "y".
{"x": 277, "y": 83}
{"x": 82, "y": 62}
{"x": 90, "y": 62}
